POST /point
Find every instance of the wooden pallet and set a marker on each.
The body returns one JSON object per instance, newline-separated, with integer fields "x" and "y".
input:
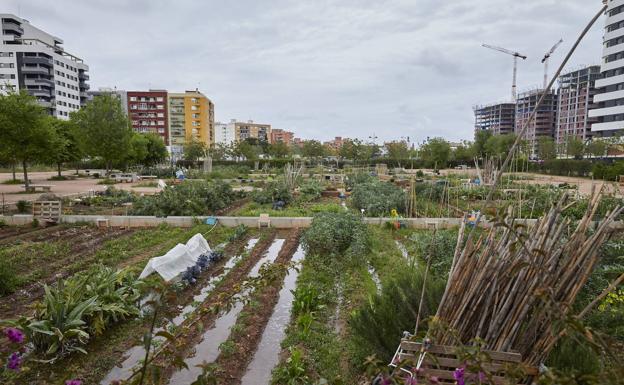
{"x": 442, "y": 361}
{"x": 47, "y": 210}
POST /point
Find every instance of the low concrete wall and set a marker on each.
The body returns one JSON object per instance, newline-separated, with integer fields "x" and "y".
{"x": 277, "y": 222}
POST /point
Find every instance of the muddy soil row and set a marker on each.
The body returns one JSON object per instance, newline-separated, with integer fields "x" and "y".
{"x": 13, "y": 234}
{"x": 83, "y": 248}
{"x": 231, "y": 367}
{"x": 132, "y": 351}
{"x": 192, "y": 328}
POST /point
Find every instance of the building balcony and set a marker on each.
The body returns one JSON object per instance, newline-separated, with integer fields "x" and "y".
{"x": 35, "y": 70}
{"x": 83, "y": 76}
{"x": 41, "y": 93}
{"x": 38, "y": 60}
{"x": 12, "y": 26}
{"x": 83, "y": 86}
{"x": 39, "y": 82}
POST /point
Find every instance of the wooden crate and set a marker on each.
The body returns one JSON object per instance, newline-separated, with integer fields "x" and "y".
{"x": 47, "y": 210}
{"x": 442, "y": 361}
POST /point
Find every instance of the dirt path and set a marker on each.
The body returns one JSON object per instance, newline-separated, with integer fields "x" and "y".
{"x": 584, "y": 185}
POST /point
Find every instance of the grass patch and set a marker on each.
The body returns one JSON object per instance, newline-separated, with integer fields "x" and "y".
{"x": 307, "y": 209}
{"x": 149, "y": 183}
{"x": 107, "y": 181}
{"x": 13, "y": 181}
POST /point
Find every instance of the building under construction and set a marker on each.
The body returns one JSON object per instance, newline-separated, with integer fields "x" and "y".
{"x": 545, "y": 119}
{"x": 575, "y": 99}
{"x": 498, "y": 118}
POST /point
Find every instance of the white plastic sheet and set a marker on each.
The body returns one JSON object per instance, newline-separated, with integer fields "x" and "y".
{"x": 178, "y": 259}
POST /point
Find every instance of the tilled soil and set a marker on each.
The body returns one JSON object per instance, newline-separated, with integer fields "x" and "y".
{"x": 231, "y": 368}
{"x": 84, "y": 243}
{"x": 192, "y": 328}
{"x": 17, "y": 234}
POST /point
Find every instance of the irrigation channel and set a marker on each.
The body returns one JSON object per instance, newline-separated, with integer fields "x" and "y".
{"x": 267, "y": 355}
{"x": 134, "y": 355}
{"x": 207, "y": 350}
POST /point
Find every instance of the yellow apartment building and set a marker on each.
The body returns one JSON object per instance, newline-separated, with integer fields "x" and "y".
{"x": 191, "y": 117}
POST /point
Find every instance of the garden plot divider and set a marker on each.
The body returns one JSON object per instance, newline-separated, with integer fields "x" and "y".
{"x": 276, "y": 222}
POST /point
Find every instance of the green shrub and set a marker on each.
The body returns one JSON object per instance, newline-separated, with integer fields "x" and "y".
{"x": 310, "y": 190}
{"x": 22, "y": 206}
{"x": 332, "y": 234}
{"x": 609, "y": 172}
{"x": 573, "y": 357}
{"x": 13, "y": 181}
{"x": 380, "y": 322}
{"x": 354, "y": 179}
{"x": 8, "y": 278}
{"x": 273, "y": 192}
{"x": 442, "y": 248}
{"x": 187, "y": 199}
{"x": 378, "y": 198}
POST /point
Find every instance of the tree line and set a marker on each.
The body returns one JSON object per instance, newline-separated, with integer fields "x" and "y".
{"x": 100, "y": 130}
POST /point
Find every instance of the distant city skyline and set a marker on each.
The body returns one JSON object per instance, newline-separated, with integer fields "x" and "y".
{"x": 349, "y": 68}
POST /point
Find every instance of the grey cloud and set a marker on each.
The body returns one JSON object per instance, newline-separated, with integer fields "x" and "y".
{"x": 323, "y": 67}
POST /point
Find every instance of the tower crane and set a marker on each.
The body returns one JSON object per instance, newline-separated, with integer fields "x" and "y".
{"x": 545, "y": 61}
{"x": 515, "y": 55}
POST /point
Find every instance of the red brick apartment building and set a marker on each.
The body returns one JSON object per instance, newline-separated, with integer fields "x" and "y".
{"x": 147, "y": 111}
{"x": 279, "y": 135}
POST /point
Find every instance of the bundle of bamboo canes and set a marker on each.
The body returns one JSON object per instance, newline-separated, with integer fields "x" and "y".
{"x": 494, "y": 285}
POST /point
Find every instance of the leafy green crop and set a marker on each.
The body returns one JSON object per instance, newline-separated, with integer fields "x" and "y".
{"x": 378, "y": 198}
{"x": 187, "y": 199}
{"x": 332, "y": 234}
{"x": 79, "y": 308}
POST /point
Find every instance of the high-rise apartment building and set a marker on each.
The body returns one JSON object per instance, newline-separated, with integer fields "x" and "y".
{"x": 337, "y": 143}
{"x": 279, "y": 135}
{"x": 148, "y": 111}
{"x": 35, "y": 61}
{"x": 224, "y": 133}
{"x": 575, "y": 98}
{"x": 498, "y": 118}
{"x": 119, "y": 94}
{"x": 250, "y": 129}
{"x": 545, "y": 119}
{"x": 191, "y": 117}
{"x": 610, "y": 100}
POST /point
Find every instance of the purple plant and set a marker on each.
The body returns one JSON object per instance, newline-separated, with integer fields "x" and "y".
{"x": 215, "y": 256}
{"x": 188, "y": 277}
{"x": 411, "y": 381}
{"x": 73, "y": 382}
{"x": 14, "y": 335}
{"x": 203, "y": 261}
{"x": 15, "y": 361}
{"x": 458, "y": 375}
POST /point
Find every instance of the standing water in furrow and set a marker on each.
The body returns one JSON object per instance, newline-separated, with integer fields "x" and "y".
{"x": 267, "y": 355}
{"x": 374, "y": 277}
{"x": 208, "y": 349}
{"x": 136, "y": 353}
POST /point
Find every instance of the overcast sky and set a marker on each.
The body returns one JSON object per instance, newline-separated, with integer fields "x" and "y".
{"x": 323, "y": 68}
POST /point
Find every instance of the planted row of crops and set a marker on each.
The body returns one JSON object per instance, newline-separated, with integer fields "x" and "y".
{"x": 187, "y": 199}
{"x": 77, "y": 314}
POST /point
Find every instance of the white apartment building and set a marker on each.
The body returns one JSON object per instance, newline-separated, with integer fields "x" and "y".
{"x": 35, "y": 61}
{"x": 225, "y": 133}
{"x": 610, "y": 98}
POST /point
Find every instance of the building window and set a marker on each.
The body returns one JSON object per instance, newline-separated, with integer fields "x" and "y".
{"x": 133, "y": 98}
{"x": 160, "y": 99}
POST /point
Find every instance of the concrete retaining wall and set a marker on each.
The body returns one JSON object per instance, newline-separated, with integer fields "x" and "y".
{"x": 277, "y": 222}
